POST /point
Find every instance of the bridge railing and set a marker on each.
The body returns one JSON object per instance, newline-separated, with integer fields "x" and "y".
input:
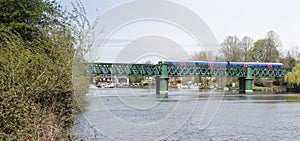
{"x": 224, "y": 70}
{"x": 123, "y": 69}
{"x": 206, "y": 70}
{"x": 182, "y": 70}
{"x": 269, "y": 72}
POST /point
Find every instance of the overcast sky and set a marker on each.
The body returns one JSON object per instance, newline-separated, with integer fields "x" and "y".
{"x": 252, "y": 18}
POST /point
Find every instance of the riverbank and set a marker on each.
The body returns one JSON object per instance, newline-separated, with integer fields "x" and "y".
{"x": 256, "y": 89}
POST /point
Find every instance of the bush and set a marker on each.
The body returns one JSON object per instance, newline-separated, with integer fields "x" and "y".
{"x": 36, "y": 100}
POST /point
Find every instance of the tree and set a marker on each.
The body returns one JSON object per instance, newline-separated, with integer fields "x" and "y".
{"x": 266, "y": 50}
{"x": 288, "y": 61}
{"x": 200, "y": 56}
{"x": 31, "y": 18}
{"x": 231, "y": 49}
{"x": 272, "y": 44}
{"x": 258, "y": 52}
{"x": 294, "y": 53}
{"x": 36, "y": 93}
{"x": 294, "y": 76}
{"x": 246, "y": 44}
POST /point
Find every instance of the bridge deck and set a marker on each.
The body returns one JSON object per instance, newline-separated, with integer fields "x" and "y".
{"x": 182, "y": 70}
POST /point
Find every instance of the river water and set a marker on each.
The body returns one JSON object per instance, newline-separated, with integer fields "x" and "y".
{"x": 139, "y": 114}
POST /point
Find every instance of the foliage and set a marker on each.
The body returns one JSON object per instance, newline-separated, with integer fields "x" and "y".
{"x": 266, "y": 50}
{"x": 259, "y": 82}
{"x": 294, "y": 76}
{"x": 97, "y": 78}
{"x": 82, "y": 31}
{"x": 36, "y": 88}
{"x": 263, "y": 50}
{"x": 37, "y": 100}
{"x": 30, "y": 18}
{"x": 135, "y": 79}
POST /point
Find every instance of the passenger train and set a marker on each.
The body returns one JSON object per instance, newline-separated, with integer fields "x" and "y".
{"x": 231, "y": 64}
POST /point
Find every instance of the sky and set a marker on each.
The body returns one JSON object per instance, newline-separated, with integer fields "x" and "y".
{"x": 240, "y": 18}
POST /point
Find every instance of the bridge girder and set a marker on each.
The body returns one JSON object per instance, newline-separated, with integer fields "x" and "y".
{"x": 182, "y": 70}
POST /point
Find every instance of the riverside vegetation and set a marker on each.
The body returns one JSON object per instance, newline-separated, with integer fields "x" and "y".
{"x": 38, "y": 42}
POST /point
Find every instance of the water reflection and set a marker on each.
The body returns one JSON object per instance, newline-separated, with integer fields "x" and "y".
{"x": 263, "y": 98}
{"x": 293, "y": 98}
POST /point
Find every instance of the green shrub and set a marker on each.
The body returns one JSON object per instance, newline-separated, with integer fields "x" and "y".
{"x": 36, "y": 89}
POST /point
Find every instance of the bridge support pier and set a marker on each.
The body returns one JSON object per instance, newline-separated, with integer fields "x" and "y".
{"x": 245, "y": 83}
{"x": 242, "y": 85}
{"x": 162, "y": 86}
{"x": 249, "y": 80}
{"x": 162, "y": 81}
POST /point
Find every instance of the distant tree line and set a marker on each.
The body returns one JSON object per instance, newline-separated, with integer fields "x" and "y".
{"x": 268, "y": 49}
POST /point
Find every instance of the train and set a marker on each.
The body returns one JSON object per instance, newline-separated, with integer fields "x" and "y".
{"x": 230, "y": 64}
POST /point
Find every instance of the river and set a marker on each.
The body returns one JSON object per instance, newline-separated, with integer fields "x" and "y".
{"x": 139, "y": 114}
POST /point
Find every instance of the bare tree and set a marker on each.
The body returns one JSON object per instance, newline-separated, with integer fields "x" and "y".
{"x": 246, "y": 44}
{"x": 271, "y": 46}
{"x": 274, "y": 38}
{"x": 290, "y": 59}
{"x": 294, "y": 52}
{"x": 200, "y": 56}
{"x": 231, "y": 49}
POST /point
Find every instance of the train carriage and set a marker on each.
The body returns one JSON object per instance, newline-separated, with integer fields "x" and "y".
{"x": 231, "y": 64}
